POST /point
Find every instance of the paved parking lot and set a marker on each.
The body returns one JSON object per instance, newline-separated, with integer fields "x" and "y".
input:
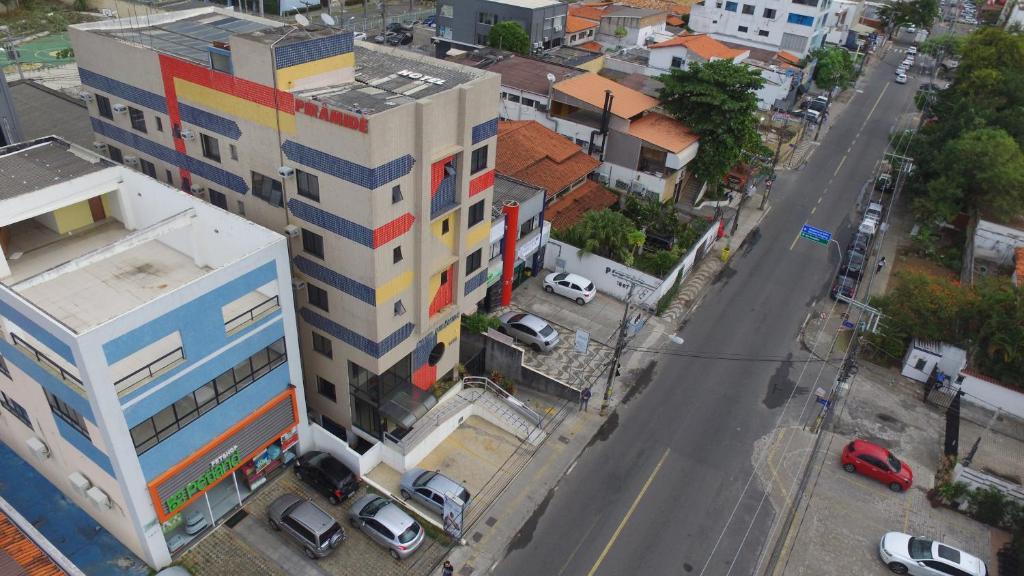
{"x": 251, "y": 547}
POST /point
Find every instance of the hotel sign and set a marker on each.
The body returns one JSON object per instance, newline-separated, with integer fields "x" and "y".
{"x": 327, "y": 114}
{"x": 422, "y": 77}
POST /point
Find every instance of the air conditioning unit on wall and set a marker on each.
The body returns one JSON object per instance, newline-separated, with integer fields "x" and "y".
{"x": 196, "y": 189}
{"x": 187, "y": 134}
{"x": 99, "y": 498}
{"x": 41, "y": 450}
{"x": 80, "y": 482}
{"x": 119, "y": 108}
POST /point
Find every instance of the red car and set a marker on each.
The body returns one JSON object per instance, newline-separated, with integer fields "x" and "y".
{"x": 876, "y": 462}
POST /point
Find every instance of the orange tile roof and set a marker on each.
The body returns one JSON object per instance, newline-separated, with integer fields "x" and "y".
{"x": 23, "y": 553}
{"x": 1018, "y": 258}
{"x": 702, "y": 45}
{"x": 590, "y": 88}
{"x": 541, "y": 157}
{"x": 589, "y": 11}
{"x": 673, "y": 20}
{"x": 660, "y": 130}
{"x": 789, "y": 57}
{"x": 569, "y": 209}
{"x": 591, "y": 46}
{"x": 575, "y": 24}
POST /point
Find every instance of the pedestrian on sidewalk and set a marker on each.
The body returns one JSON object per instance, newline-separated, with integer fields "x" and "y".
{"x": 584, "y": 399}
{"x": 447, "y": 569}
{"x": 881, "y": 264}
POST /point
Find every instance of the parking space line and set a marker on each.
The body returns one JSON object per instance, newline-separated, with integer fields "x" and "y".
{"x": 906, "y": 511}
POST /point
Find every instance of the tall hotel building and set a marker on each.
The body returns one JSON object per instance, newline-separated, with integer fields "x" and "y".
{"x": 377, "y": 164}
{"x": 148, "y": 346}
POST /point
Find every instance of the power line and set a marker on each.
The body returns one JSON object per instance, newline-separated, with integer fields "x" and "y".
{"x": 734, "y": 357}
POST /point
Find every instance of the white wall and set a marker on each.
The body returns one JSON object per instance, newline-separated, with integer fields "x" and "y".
{"x": 913, "y": 355}
{"x": 661, "y": 58}
{"x": 986, "y": 394}
{"x": 509, "y": 110}
{"x": 361, "y": 464}
{"x": 995, "y": 242}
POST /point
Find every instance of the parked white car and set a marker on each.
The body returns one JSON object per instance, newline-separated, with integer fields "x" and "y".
{"x": 901, "y": 78}
{"x": 572, "y": 286}
{"x": 906, "y": 554}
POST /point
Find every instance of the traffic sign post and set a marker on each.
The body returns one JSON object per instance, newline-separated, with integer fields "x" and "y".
{"x": 813, "y": 234}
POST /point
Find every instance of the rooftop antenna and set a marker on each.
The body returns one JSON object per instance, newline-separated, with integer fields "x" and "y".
{"x": 301, "y": 20}
{"x": 327, "y": 19}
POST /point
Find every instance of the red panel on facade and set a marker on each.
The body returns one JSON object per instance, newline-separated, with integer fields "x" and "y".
{"x": 393, "y": 229}
{"x": 437, "y": 174}
{"x": 225, "y": 83}
{"x": 481, "y": 183}
{"x": 424, "y": 377}
{"x": 444, "y": 295}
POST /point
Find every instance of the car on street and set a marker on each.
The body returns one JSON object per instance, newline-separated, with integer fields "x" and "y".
{"x": 359, "y": 36}
{"x": 386, "y": 524}
{"x": 912, "y": 50}
{"x": 812, "y": 116}
{"x": 859, "y": 243}
{"x": 529, "y": 329}
{"x": 398, "y": 27}
{"x": 912, "y": 29}
{"x": 430, "y": 21}
{"x": 874, "y": 210}
{"x": 854, "y": 266}
{"x": 572, "y": 286}
{"x": 843, "y": 285}
{"x": 873, "y": 461}
{"x": 303, "y": 521}
{"x": 906, "y": 554}
{"x": 901, "y": 70}
{"x": 901, "y": 78}
{"x": 428, "y": 487}
{"x": 327, "y": 475}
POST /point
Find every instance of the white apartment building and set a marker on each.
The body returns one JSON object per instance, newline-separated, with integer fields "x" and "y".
{"x": 796, "y": 26}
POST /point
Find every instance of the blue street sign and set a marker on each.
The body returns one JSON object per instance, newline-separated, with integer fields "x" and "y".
{"x": 847, "y": 324}
{"x": 815, "y": 234}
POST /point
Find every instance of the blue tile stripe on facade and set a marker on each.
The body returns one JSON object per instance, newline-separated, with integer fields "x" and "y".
{"x": 171, "y": 156}
{"x": 421, "y": 353}
{"x": 83, "y": 445}
{"x": 332, "y": 222}
{"x": 46, "y": 380}
{"x": 208, "y": 121}
{"x": 444, "y": 198}
{"x": 362, "y": 343}
{"x": 485, "y": 130}
{"x": 124, "y": 91}
{"x": 369, "y": 178}
{"x": 339, "y": 281}
{"x": 476, "y": 281}
{"x": 310, "y": 50}
{"x": 37, "y": 332}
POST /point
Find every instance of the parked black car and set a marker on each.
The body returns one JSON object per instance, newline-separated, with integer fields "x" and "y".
{"x": 327, "y": 475}
{"x": 859, "y": 243}
{"x": 854, "y": 267}
{"x": 398, "y": 27}
{"x": 843, "y": 285}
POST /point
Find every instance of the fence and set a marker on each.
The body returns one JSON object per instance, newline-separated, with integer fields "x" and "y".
{"x": 150, "y": 370}
{"x": 45, "y": 361}
{"x": 250, "y": 315}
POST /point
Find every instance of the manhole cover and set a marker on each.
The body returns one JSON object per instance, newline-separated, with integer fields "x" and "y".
{"x": 563, "y": 439}
{"x": 477, "y": 537}
{"x": 491, "y": 521}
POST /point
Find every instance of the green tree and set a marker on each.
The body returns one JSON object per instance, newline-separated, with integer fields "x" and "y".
{"x": 717, "y": 101}
{"x": 509, "y": 36}
{"x": 942, "y": 45}
{"x": 918, "y": 12}
{"x": 605, "y": 233}
{"x": 834, "y": 68}
{"x": 921, "y": 306}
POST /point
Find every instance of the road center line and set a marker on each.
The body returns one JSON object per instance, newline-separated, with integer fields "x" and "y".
{"x": 629, "y": 513}
{"x": 841, "y": 162}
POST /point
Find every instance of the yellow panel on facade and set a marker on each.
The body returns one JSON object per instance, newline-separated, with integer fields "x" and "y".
{"x": 449, "y": 333}
{"x": 478, "y": 234}
{"x": 394, "y": 287}
{"x": 286, "y": 77}
{"x": 106, "y": 203}
{"x": 232, "y": 105}
{"x": 73, "y": 217}
{"x": 449, "y": 238}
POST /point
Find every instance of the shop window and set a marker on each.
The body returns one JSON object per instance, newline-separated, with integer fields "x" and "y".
{"x": 267, "y": 189}
{"x": 103, "y": 107}
{"x": 137, "y": 118}
{"x": 476, "y": 213}
{"x": 317, "y": 297}
{"x": 326, "y": 389}
{"x": 17, "y": 409}
{"x": 313, "y": 243}
{"x": 66, "y": 413}
{"x": 308, "y": 185}
{"x": 479, "y": 160}
{"x": 323, "y": 345}
{"x": 211, "y": 147}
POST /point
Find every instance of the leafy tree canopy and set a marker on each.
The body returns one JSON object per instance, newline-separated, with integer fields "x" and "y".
{"x": 605, "y": 233}
{"x": 717, "y": 101}
{"x": 943, "y": 45}
{"x": 834, "y": 69}
{"x": 917, "y": 12}
{"x": 511, "y": 36}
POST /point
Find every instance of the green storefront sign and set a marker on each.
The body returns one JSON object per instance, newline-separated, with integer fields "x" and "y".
{"x": 216, "y": 471}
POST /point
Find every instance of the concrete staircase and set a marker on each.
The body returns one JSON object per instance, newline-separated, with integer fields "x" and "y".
{"x": 692, "y": 190}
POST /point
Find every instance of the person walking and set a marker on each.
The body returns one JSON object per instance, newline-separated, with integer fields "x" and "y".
{"x": 584, "y": 399}
{"x": 881, "y": 264}
{"x": 447, "y": 569}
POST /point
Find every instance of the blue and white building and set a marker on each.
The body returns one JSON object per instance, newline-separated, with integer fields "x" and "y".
{"x": 148, "y": 346}
{"x": 795, "y": 26}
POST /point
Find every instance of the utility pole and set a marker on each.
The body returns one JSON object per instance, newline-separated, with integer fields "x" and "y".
{"x": 620, "y": 343}
{"x": 775, "y": 162}
{"x": 12, "y": 51}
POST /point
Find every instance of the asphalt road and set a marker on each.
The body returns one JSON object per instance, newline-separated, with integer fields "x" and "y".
{"x": 663, "y": 488}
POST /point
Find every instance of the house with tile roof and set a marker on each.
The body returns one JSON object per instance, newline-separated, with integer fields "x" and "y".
{"x": 641, "y": 151}
{"x": 579, "y": 30}
{"x": 24, "y": 551}
{"x": 679, "y": 51}
{"x": 798, "y": 27}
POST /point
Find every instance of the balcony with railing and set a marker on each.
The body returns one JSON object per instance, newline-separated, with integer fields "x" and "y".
{"x": 252, "y": 314}
{"x": 47, "y": 360}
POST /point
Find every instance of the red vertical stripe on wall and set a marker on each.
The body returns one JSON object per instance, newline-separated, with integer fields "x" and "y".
{"x": 168, "y": 67}
{"x": 444, "y": 295}
{"x": 437, "y": 174}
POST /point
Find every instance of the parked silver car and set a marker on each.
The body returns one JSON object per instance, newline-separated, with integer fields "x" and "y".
{"x": 428, "y": 488}
{"x": 315, "y": 530}
{"x": 529, "y": 329}
{"x": 387, "y": 524}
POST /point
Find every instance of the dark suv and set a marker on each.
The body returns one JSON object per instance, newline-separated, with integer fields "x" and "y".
{"x": 328, "y": 475}
{"x": 854, "y": 267}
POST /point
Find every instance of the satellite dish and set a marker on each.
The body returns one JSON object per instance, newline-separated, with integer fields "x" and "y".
{"x": 301, "y": 20}
{"x": 327, "y": 19}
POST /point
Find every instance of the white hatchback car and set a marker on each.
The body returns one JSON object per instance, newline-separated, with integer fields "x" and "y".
{"x": 572, "y": 286}
{"x": 906, "y": 554}
{"x": 901, "y": 78}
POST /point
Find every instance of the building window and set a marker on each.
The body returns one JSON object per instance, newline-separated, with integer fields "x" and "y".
{"x": 267, "y": 189}
{"x": 748, "y": 9}
{"x": 313, "y": 243}
{"x": 488, "y": 19}
{"x": 115, "y": 154}
{"x": 396, "y": 194}
{"x": 233, "y": 150}
{"x": 769, "y": 13}
{"x": 17, "y": 409}
{"x": 444, "y": 278}
{"x": 813, "y": 3}
{"x": 762, "y": 33}
{"x": 218, "y": 199}
{"x": 476, "y": 213}
{"x": 396, "y": 255}
{"x": 323, "y": 345}
{"x": 169, "y": 176}
{"x": 326, "y": 389}
{"x": 529, "y": 103}
{"x": 800, "y": 19}
{"x": 3, "y": 367}
{"x": 495, "y": 250}
{"x": 191, "y": 406}
{"x": 62, "y": 410}
{"x": 159, "y": 123}
{"x": 308, "y": 185}
{"x": 742, "y": 28}
{"x": 148, "y": 168}
{"x": 677, "y": 62}
{"x": 479, "y": 160}
{"x": 513, "y": 98}
{"x": 445, "y": 227}
{"x": 103, "y": 107}
{"x": 731, "y": 6}
{"x": 241, "y": 208}
{"x": 317, "y": 296}
{"x": 211, "y": 147}
{"x": 527, "y": 227}
{"x": 473, "y": 261}
{"x": 921, "y": 364}
{"x": 399, "y": 308}
{"x": 137, "y": 118}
